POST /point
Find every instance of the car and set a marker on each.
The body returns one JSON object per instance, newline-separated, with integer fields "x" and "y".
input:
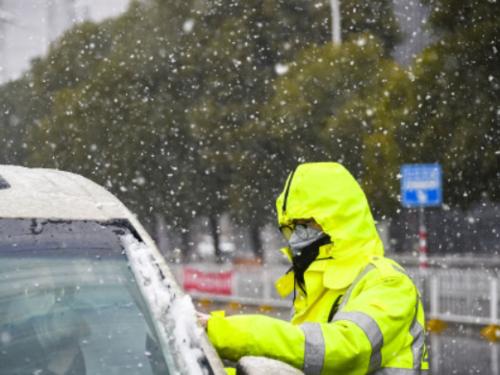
{"x": 83, "y": 287}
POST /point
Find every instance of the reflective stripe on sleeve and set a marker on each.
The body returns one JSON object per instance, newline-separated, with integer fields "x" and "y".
{"x": 314, "y": 351}
{"x": 400, "y": 371}
{"x": 416, "y": 331}
{"x": 417, "y": 346}
{"x": 371, "y": 330}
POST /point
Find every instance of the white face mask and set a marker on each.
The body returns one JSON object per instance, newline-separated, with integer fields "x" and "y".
{"x": 303, "y": 236}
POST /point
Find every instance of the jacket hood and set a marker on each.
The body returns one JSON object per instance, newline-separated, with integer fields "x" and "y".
{"x": 329, "y": 194}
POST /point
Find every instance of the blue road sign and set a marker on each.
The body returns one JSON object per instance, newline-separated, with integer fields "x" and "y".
{"x": 421, "y": 185}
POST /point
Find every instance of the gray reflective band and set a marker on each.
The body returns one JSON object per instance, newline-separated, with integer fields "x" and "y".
{"x": 347, "y": 294}
{"x": 371, "y": 330}
{"x": 400, "y": 371}
{"x": 399, "y": 269}
{"x": 417, "y": 347}
{"x": 314, "y": 351}
{"x": 417, "y": 332}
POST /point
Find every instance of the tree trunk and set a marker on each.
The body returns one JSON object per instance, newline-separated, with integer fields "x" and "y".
{"x": 256, "y": 243}
{"x": 215, "y": 232}
{"x": 185, "y": 247}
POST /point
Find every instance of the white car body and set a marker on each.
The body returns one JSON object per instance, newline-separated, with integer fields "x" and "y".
{"x": 27, "y": 193}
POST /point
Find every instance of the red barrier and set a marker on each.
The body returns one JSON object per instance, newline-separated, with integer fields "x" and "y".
{"x": 207, "y": 282}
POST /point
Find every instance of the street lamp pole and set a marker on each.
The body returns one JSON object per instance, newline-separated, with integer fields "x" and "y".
{"x": 335, "y": 8}
{"x": 4, "y": 18}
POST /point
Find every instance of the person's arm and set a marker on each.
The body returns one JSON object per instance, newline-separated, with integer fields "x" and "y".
{"x": 256, "y": 335}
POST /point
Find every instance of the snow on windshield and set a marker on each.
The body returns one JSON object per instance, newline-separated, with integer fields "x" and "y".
{"x": 175, "y": 313}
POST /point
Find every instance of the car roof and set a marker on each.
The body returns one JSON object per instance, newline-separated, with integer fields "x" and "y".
{"x": 54, "y": 194}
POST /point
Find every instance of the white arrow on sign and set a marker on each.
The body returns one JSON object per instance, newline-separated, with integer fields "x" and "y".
{"x": 421, "y": 196}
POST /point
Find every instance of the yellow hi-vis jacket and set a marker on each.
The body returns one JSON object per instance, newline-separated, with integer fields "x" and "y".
{"x": 361, "y": 314}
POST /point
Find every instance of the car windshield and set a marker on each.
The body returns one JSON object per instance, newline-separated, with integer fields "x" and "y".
{"x": 69, "y": 303}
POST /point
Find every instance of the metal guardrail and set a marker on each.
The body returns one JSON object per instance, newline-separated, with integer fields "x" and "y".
{"x": 459, "y": 295}
{"x": 450, "y": 262}
{"x": 468, "y": 296}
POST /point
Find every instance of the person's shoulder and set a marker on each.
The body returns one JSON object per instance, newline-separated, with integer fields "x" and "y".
{"x": 387, "y": 268}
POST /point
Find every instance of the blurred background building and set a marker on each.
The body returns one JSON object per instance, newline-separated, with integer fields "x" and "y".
{"x": 412, "y": 17}
{"x": 27, "y": 27}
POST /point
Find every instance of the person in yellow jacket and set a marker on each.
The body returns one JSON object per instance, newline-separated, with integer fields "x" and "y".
{"x": 355, "y": 311}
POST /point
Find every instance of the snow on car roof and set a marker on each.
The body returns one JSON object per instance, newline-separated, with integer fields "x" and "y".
{"x": 54, "y": 194}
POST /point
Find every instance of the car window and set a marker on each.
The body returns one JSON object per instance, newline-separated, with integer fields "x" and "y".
{"x": 69, "y": 303}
